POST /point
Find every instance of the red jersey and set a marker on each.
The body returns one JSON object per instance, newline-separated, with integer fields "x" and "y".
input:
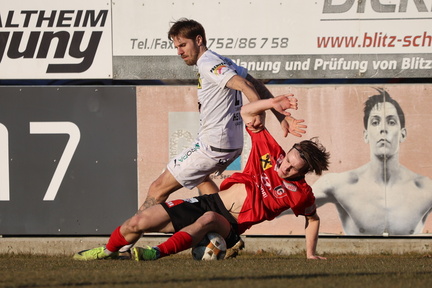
{"x": 268, "y": 195}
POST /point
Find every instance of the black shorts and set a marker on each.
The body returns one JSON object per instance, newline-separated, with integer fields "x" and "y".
{"x": 185, "y": 212}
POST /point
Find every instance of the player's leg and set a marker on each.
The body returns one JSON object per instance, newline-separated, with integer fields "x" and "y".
{"x": 209, "y": 222}
{"x": 154, "y": 219}
{"x": 158, "y": 192}
{"x": 160, "y": 189}
{"x": 187, "y": 169}
{"x": 184, "y": 170}
{"x": 186, "y": 237}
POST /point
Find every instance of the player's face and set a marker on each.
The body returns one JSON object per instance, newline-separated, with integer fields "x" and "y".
{"x": 384, "y": 131}
{"x": 188, "y": 49}
{"x": 291, "y": 165}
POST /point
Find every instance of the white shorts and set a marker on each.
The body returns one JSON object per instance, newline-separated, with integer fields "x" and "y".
{"x": 194, "y": 164}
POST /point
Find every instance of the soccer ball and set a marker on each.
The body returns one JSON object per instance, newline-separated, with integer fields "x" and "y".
{"x": 212, "y": 247}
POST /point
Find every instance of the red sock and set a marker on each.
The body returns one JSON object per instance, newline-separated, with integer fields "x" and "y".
{"x": 116, "y": 241}
{"x": 178, "y": 242}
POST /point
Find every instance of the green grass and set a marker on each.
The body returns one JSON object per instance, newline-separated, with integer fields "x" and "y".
{"x": 251, "y": 271}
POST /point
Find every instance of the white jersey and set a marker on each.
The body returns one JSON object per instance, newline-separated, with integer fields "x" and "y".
{"x": 221, "y": 125}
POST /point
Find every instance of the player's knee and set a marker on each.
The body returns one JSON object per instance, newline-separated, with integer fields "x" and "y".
{"x": 210, "y": 219}
{"x": 135, "y": 224}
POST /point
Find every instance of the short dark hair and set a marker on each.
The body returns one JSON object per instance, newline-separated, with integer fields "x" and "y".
{"x": 314, "y": 154}
{"x": 382, "y": 97}
{"x": 188, "y": 29}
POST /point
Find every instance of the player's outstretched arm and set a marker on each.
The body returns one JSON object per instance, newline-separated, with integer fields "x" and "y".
{"x": 280, "y": 104}
{"x": 288, "y": 123}
{"x": 311, "y": 232}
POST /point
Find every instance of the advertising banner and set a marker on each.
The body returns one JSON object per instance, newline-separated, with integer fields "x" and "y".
{"x": 379, "y": 178}
{"x": 288, "y": 39}
{"x": 67, "y": 159}
{"x": 55, "y": 39}
{"x": 280, "y": 39}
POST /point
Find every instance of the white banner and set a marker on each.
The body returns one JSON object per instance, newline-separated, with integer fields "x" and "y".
{"x": 275, "y": 27}
{"x": 281, "y": 38}
{"x": 55, "y": 40}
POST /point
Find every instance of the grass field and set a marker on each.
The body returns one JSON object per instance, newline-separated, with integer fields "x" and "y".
{"x": 251, "y": 271}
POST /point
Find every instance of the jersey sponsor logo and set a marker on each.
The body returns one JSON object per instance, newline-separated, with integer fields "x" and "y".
{"x": 218, "y": 69}
{"x": 265, "y": 185}
{"x": 290, "y": 186}
{"x": 279, "y": 192}
{"x": 188, "y": 153}
{"x": 265, "y": 161}
{"x": 263, "y": 191}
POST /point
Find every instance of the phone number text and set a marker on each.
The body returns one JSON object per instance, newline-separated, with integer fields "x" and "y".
{"x": 248, "y": 43}
{"x": 216, "y": 43}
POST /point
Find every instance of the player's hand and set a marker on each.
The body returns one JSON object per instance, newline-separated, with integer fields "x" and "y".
{"x": 293, "y": 126}
{"x": 283, "y": 102}
{"x": 257, "y": 123}
{"x": 315, "y": 257}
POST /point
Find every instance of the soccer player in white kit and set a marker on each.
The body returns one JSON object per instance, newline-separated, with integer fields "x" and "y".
{"x": 221, "y": 84}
